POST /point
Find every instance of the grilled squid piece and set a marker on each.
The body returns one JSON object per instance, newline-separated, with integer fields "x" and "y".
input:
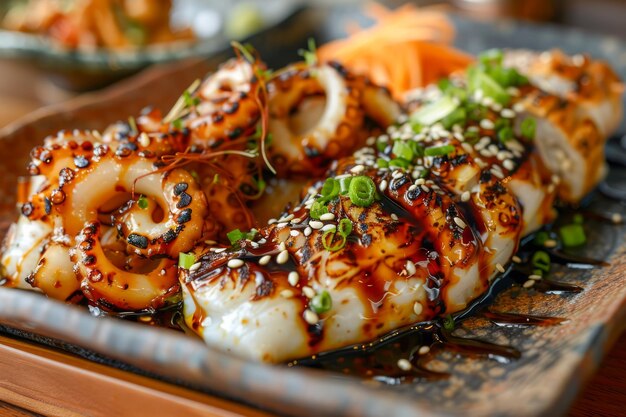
{"x": 592, "y": 85}
{"x": 227, "y": 107}
{"x": 407, "y": 260}
{"x": 317, "y": 114}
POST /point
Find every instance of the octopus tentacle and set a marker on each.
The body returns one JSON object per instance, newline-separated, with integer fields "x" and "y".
{"x": 113, "y": 288}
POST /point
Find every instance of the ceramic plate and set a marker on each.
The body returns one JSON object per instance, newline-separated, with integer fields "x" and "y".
{"x": 555, "y": 359}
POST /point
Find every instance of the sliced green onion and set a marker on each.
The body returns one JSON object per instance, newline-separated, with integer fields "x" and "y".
{"x": 541, "y": 260}
{"x": 178, "y": 124}
{"x": 399, "y": 162}
{"x": 381, "y": 145}
{"x": 362, "y": 191}
{"x": 317, "y": 209}
{"x": 185, "y": 260}
{"x": 234, "y": 236}
{"x": 433, "y": 112}
{"x": 458, "y": 116}
{"x": 417, "y": 149}
{"x": 480, "y": 80}
{"x": 572, "y": 235}
{"x": 505, "y": 134}
{"x": 329, "y": 190}
{"x": 345, "y": 227}
{"x": 382, "y": 163}
{"x": 439, "y": 150}
{"x": 189, "y": 100}
{"x": 578, "y": 219}
{"x": 424, "y": 173}
{"x": 403, "y": 150}
{"x": 322, "y": 302}
{"x": 142, "y": 202}
{"x": 491, "y": 57}
{"x": 538, "y": 272}
{"x": 416, "y": 127}
{"x": 528, "y": 128}
{"x": 448, "y": 323}
{"x": 309, "y": 55}
{"x": 344, "y": 184}
{"x": 329, "y": 237}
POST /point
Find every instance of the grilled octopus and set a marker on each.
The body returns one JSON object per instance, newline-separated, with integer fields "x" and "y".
{"x": 106, "y": 215}
{"x": 449, "y": 196}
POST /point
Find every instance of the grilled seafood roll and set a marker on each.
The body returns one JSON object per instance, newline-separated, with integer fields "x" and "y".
{"x": 592, "y": 85}
{"x": 393, "y": 262}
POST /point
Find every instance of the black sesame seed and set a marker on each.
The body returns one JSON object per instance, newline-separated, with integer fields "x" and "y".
{"x": 47, "y": 205}
{"x": 232, "y": 108}
{"x": 184, "y": 216}
{"x": 138, "y": 241}
{"x": 169, "y": 236}
{"x": 185, "y": 200}
{"x": 180, "y": 188}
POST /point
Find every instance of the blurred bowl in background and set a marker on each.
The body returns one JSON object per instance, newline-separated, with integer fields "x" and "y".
{"x": 214, "y": 23}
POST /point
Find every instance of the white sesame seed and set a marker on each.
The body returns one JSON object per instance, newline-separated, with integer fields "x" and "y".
{"x": 281, "y": 224}
{"x": 616, "y": 218}
{"x": 518, "y": 107}
{"x": 418, "y": 308}
{"x": 500, "y": 268}
{"x": 394, "y": 216}
{"x": 424, "y": 350}
{"x": 516, "y": 259}
{"x": 308, "y": 292}
{"x": 425, "y": 188}
{"x": 327, "y": 216}
{"x": 218, "y": 250}
{"x": 370, "y": 141}
{"x": 357, "y": 169}
{"x": 397, "y": 174}
{"x": 296, "y": 221}
{"x": 487, "y": 124}
{"x": 194, "y": 266}
{"x": 282, "y": 257}
{"x": 383, "y": 185}
{"x": 514, "y": 91}
{"x": 459, "y": 222}
{"x": 493, "y": 148}
{"x": 508, "y": 164}
{"x": 308, "y": 231}
{"x": 286, "y": 218}
{"x": 404, "y": 364}
{"x": 465, "y": 196}
{"x": 282, "y": 246}
{"x": 315, "y": 224}
{"x": 328, "y": 227}
{"x": 294, "y": 232}
{"x": 265, "y": 259}
{"x": 254, "y": 244}
{"x": 550, "y": 243}
{"x": 210, "y": 242}
{"x": 235, "y": 263}
{"x": 311, "y": 317}
{"x": 420, "y": 181}
{"x": 286, "y": 293}
{"x": 412, "y": 187}
{"x": 507, "y": 113}
{"x": 410, "y": 268}
{"x": 496, "y": 107}
{"x": 271, "y": 221}
{"x": 529, "y": 283}
{"x": 497, "y": 173}
{"x": 144, "y": 139}
{"x": 535, "y": 277}
{"x": 293, "y": 277}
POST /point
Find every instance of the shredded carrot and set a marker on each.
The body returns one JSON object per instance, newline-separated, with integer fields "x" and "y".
{"x": 407, "y": 48}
